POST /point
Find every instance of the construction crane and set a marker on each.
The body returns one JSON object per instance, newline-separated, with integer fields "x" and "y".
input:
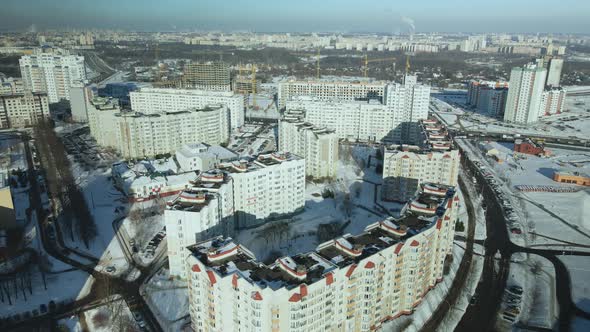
{"x": 253, "y": 86}
{"x": 317, "y": 74}
{"x": 366, "y": 61}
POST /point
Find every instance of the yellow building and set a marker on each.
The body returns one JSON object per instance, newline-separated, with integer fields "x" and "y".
{"x": 7, "y": 215}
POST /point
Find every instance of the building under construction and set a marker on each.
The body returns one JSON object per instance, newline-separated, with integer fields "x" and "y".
{"x": 207, "y": 76}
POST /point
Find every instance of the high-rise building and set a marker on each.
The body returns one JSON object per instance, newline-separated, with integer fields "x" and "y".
{"x": 553, "y": 101}
{"x": 23, "y": 110}
{"x": 554, "y": 68}
{"x": 10, "y": 85}
{"x": 319, "y": 146}
{"x": 350, "y": 283}
{"x": 323, "y": 90}
{"x": 138, "y": 135}
{"x": 488, "y": 97}
{"x": 207, "y": 76}
{"x": 392, "y": 117}
{"x": 52, "y": 73}
{"x": 407, "y": 167}
{"x": 525, "y": 94}
{"x": 80, "y": 97}
{"x": 152, "y": 100}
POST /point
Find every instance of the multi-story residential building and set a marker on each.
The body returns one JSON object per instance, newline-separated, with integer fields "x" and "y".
{"x": 10, "y": 85}
{"x": 138, "y": 135}
{"x": 202, "y": 157}
{"x": 393, "y": 119}
{"x": 240, "y": 194}
{"x": 319, "y": 146}
{"x": 23, "y": 110}
{"x": 406, "y": 167}
{"x": 488, "y": 97}
{"x": 554, "y": 68}
{"x": 269, "y": 186}
{"x": 351, "y": 283}
{"x": 80, "y": 97}
{"x": 523, "y": 103}
{"x": 152, "y": 100}
{"x": 52, "y": 73}
{"x": 207, "y": 76}
{"x": 324, "y": 90}
{"x": 552, "y": 101}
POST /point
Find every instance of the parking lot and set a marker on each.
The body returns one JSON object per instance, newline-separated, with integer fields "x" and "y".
{"x": 85, "y": 151}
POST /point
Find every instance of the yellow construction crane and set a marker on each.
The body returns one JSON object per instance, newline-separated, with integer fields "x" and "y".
{"x": 366, "y": 61}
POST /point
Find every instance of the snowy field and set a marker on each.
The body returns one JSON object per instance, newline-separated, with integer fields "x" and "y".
{"x": 574, "y": 121}
{"x": 168, "y": 300}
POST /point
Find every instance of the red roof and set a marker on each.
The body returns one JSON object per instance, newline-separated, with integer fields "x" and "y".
{"x": 196, "y": 268}
{"x": 295, "y": 297}
{"x": 329, "y": 278}
{"x": 414, "y": 243}
{"x": 212, "y": 278}
{"x": 438, "y": 223}
{"x": 398, "y": 248}
{"x": 447, "y": 218}
{"x": 350, "y": 270}
{"x": 405, "y": 156}
{"x": 456, "y": 198}
{"x": 303, "y": 290}
{"x": 256, "y": 296}
{"x": 369, "y": 265}
{"x": 234, "y": 280}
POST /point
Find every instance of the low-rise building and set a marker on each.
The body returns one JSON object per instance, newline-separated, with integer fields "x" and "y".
{"x": 202, "y": 157}
{"x": 434, "y": 160}
{"x": 528, "y": 146}
{"x": 351, "y": 283}
{"x": 23, "y": 110}
{"x": 581, "y": 179}
{"x": 319, "y": 146}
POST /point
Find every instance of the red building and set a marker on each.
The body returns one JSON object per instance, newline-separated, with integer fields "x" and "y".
{"x": 528, "y": 147}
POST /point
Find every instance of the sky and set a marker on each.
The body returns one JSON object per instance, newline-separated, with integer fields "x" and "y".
{"x": 387, "y": 16}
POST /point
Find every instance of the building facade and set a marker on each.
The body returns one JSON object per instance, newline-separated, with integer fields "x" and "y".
{"x": 330, "y": 90}
{"x": 351, "y": 283}
{"x": 523, "y": 103}
{"x": 488, "y": 97}
{"x": 152, "y": 100}
{"x": 553, "y": 101}
{"x": 138, "y": 135}
{"x": 406, "y": 167}
{"x": 23, "y": 110}
{"x": 202, "y": 157}
{"x": 52, "y": 73}
{"x": 554, "y": 68}
{"x": 207, "y": 76}
{"x": 319, "y": 146}
{"x": 80, "y": 97}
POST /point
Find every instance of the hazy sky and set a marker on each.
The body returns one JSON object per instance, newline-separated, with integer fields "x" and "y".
{"x": 302, "y": 15}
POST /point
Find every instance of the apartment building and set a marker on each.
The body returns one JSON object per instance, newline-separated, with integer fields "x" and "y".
{"x": 80, "y": 96}
{"x": 406, "y": 167}
{"x": 552, "y": 101}
{"x": 351, "y": 283}
{"x": 488, "y": 97}
{"x": 239, "y": 194}
{"x": 554, "y": 68}
{"x": 325, "y": 90}
{"x": 319, "y": 146}
{"x": 269, "y": 186}
{"x": 523, "y": 103}
{"x": 23, "y": 110}
{"x": 392, "y": 119}
{"x": 138, "y": 135}
{"x": 10, "y": 85}
{"x": 207, "y": 76}
{"x": 52, "y": 73}
{"x": 153, "y": 100}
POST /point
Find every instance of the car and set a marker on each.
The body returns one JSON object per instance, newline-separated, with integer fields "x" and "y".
{"x": 517, "y": 290}
{"x": 473, "y": 300}
{"x": 43, "y": 308}
{"x": 111, "y": 269}
{"x": 132, "y": 242}
{"x": 52, "y": 306}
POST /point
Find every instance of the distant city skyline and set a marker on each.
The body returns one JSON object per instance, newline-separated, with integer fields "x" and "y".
{"x": 526, "y": 16}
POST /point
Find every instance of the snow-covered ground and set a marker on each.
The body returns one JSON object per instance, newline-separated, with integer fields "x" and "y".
{"x": 168, "y": 300}
{"x": 114, "y": 316}
{"x": 69, "y": 324}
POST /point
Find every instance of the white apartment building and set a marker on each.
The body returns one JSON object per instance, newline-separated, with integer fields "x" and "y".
{"x": 154, "y": 100}
{"x": 240, "y": 194}
{"x": 138, "y": 135}
{"x": 553, "y": 101}
{"x": 52, "y": 73}
{"x": 523, "y": 103}
{"x": 201, "y": 212}
{"x": 351, "y": 283}
{"x": 488, "y": 97}
{"x": 23, "y": 110}
{"x": 393, "y": 119}
{"x": 319, "y": 146}
{"x": 202, "y": 157}
{"x": 406, "y": 167}
{"x": 325, "y": 90}
{"x": 10, "y": 85}
{"x": 269, "y": 186}
{"x": 554, "y": 68}
{"x": 80, "y": 97}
